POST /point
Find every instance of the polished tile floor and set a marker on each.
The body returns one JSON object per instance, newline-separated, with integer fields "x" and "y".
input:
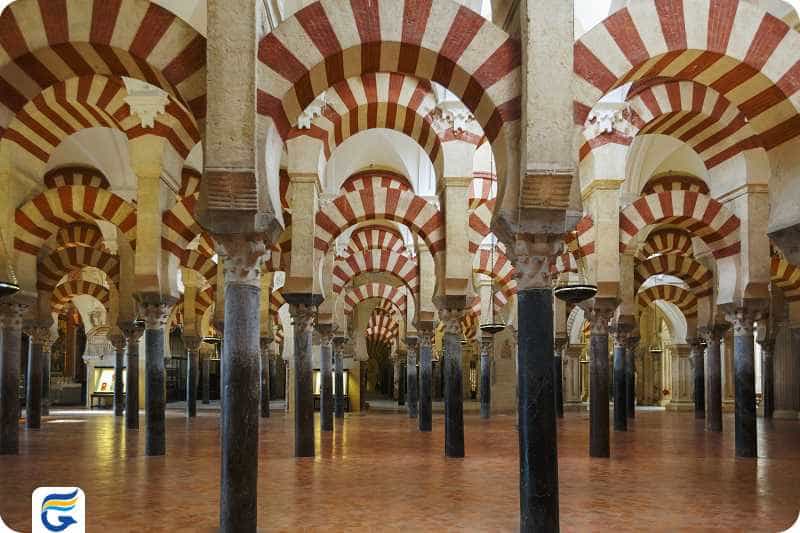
{"x": 377, "y": 472}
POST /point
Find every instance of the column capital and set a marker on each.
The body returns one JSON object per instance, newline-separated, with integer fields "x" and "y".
{"x": 325, "y": 333}
{"x": 531, "y": 254}
{"x": 155, "y": 312}
{"x": 192, "y": 343}
{"x": 118, "y": 341}
{"x": 303, "y": 316}
{"x": 452, "y": 320}
{"x": 487, "y": 343}
{"x": 12, "y": 313}
{"x": 243, "y": 257}
{"x": 713, "y": 333}
{"x": 412, "y": 343}
{"x": 39, "y": 331}
{"x": 132, "y": 330}
{"x": 743, "y": 319}
{"x": 619, "y": 332}
{"x": 633, "y": 341}
{"x": 599, "y": 312}
{"x": 559, "y": 343}
{"x": 339, "y": 343}
{"x": 767, "y": 346}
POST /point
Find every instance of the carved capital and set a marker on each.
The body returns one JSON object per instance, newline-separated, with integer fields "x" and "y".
{"x": 606, "y": 119}
{"x": 559, "y": 343}
{"x": 452, "y": 318}
{"x": 325, "y": 332}
{"x": 339, "y": 344}
{"x": 412, "y": 343}
{"x": 303, "y": 317}
{"x": 487, "y": 343}
{"x": 599, "y": 315}
{"x": 633, "y": 342}
{"x": 12, "y": 314}
{"x": 743, "y": 319}
{"x": 531, "y": 258}
{"x": 132, "y": 331}
{"x": 767, "y": 347}
{"x": 192, "y": 343}
{"x": 155, "y": 314}
{"x": 713, "y": 333}
{"x": 619, "y": 333}
{"x": 243, "y": 258}
{"x": 425, "y": 340}
{"x": 118, "y": 342}
{"x": 145, "y": 101}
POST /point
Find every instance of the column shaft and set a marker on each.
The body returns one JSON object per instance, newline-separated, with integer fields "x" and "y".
{"x": 745, "y": 388}
{"x": 558, "y": 380}
{"x": 132, "y": 387}
{"x": 453, "y": 395}
{"x": 538, "y": 452}
{"x": 714, "y": 388}
{"x": 768, "y": 378}
{"x": 303, "y": 383}
{"x": 240, "y": 407}
{"x": 630, "y": 378}
{"x": 411, "y": 382}
{"x": 486, "y": 382}
{"x": 119, "y": 386}
{"x": 339, "y": 389}
{"x": 599, "y": 439}
{"x": 9, "y": 388}
{"x": 46, "y": 355}
{"x": 326, "y": 386}
{"x": 33, "y": 396}
{"x": 620, "y": 389}
{"x": 206, "y": 377}
{"x": 155, "y": 399}
{"x": 192, "y": 378}
{"x": 265, "y": 392}
{"x": 699, "y": 375}
{"x": 425, "y": 384}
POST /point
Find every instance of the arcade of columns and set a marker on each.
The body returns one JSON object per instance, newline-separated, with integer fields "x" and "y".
{"x": 652, "y": 157}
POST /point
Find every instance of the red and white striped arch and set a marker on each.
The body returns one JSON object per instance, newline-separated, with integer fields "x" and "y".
{"x": 786, "y": 276}
{"x": 502, "y": 271}
{"x": 53, "y": 209}
{"x": 67, "y": 176}
{"x": 733, "y": 47}
{"x": 92, "y": 101}
{"x": 347, "y": 267}
{"x": 376, "y": 238}
{"x": 64, "y": 293}
{"x": 699, "y": 278}
{"x": 377, "y": 100}
{"x": 79, "y": 234}
{"x": 370, "y": 180}
{"x": 666, "y": 241}
{"x": 482, "y": 189}
{"x": 680, "y": 297}
{"x": 190, "y": 182}
{"x": 699, "y": 214}
{"x": 381, "y": 203}
{"x": 564, "y": 262}
{"x": 580, "y": 241}
{"x": 276, "y": 301}
{"x": 201, "y": 263}
{"x": 179, "y": 226}
{"x": 671, "y": 181}
{"x": 44, "y": 43}
{"x": 480, "y": 221}
{"x": 330, "y": 41}
{"x": 395, "y": 295}
{"x": 61, "y": 262}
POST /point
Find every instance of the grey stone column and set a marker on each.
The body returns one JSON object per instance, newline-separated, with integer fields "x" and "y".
{"x": 599, "y": 439}
{"x": 699, "y": 376}
{"x": 426, "y": 376}
{"x": 630, "y": 375}
{"x": 453, "y": 382}
{"x": 487, "y": 342}
{"x": 326, "y": 377}
{"x": 713, "y": 336}
{"x": 264, "y": 391}
{"x": 242, "y": 261}
{"x": 119, "y": 343}
{"x": 745, "y": 380}
{"x": 46, "y": 362}
{"x": 156, "y": 314}
{"x": 192, "y": 344}
{"x": 412, "y": 396}
{"x": 133, "y": 332}
{"x": 559, "y": 345}
{"x": 620, "y": 332}
{"x": 11, "y": 314}
{"x": 338, "y": 357}
{"x": 768, "y": 377}
{"x": 205, "y": 366}
{"x": 303, "y": 310}
{"x": 39, "y": 334}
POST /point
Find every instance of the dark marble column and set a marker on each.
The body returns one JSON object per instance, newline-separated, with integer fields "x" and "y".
{"x": 620, "y": 332}
{"x": 745, "y": 382}
{"x": 242, "y": 260}
{"x": 133, "y": 332}
{"x": 39, "y": 334}
{"x": 338, "y": 357}
{"x": 412, "y": 393}
{"x": 156, "y": 314}
{"x": 599, "y": 438}
{"x": 425, "y": 376}
{"x": 713, "y": 336}
{"x": 192, "y": 373}
{"x": 303, "y": 310}
{"x": 538, "y": 446}
{"x": 699, "y": 375}
{"x": 205, "y": 366}
{"x": 401, "y": 380}
{"x": 453, "y": 383}
{"x": 768, "y": 377}
{"x": 630, "y": 375}
{"x": 9, "y": 374}
{"x": 119, "y": 343}
{"x": 46, "y": 361}
{"x": 559, "y": 345}
{"x": 264, "y": 395}
{"x": 487, "y": 342}
{"x": 326, "y": 377}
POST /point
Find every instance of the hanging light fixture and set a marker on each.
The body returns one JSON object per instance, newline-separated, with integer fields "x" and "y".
{"x": 493, "y": 327}
{"x": 8, "y": 286}
{"x": 574, "y": 289}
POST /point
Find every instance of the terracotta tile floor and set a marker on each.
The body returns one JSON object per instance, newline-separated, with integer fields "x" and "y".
{"x": 376, "y": 472}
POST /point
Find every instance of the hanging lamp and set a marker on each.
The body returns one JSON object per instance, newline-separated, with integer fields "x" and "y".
{"x": 8, "y": 287}
{"x": 574, "y": 290}
{"x": 493, "y": 327}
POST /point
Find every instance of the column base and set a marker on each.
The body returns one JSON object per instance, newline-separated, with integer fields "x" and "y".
{"x": 681, "y": 406}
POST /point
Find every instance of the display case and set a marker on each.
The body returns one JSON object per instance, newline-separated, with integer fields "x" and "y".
{"x": 318, "y": 386}
{"x": 103, "y": 386}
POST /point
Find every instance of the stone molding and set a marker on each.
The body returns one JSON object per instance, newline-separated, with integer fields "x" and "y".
{"x": 606, "y": 119}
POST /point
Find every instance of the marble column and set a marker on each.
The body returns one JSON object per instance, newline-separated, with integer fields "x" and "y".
{"x": 699, "y": 376}
{"x": 192, "y": 373}
{"x": 303, "y": 311}
{"x": 412, "y": 386}
{"x": 713, "y": 336}
{"x": 630, "y": 375}
{"x": 39, "y": 334}
{"x": 205, "y": 366}
{"x": 768, "y": 377}
{"x": 487, "y": 342}
{"x": 242, "y": 261}
{"x": 133, "y": 332}
{"x": 599, "y": 438}
{"x": 426, "y": 377}
{"x": 264, "y": 392}
{"x": 559, "y": 345}
{"x": 743, "y": 320}
{"x": 326, "y": 377}
{"x": 46, "y": 362}
{"x": 120, "y": 344}
{"x": 453, "y": 383}
{"x": 156, "y": 314}
{"x": 11, "y": 314}
{"x": 620, "y": 332}
{"x": 338, "y": 366}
